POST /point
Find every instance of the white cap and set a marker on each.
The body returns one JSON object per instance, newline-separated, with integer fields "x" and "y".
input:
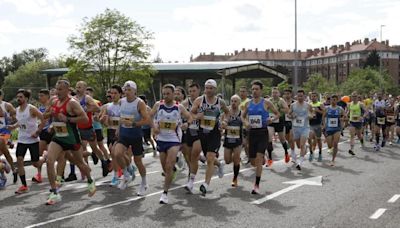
{"x": 131, "y": 84}
{"x": 211, "y": 82}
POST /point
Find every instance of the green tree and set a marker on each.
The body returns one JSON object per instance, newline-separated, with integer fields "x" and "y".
{"x": 373, "y": 60}
{"x": 318, "y": 83}
{"x": 368, "y": 80}
{"x": 110, "y": 49}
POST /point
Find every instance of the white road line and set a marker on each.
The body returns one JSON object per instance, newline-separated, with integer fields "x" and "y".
{"x": 378, "y": 213}
{"x": 394, "y": 198}
{"x": 119, "y": 203}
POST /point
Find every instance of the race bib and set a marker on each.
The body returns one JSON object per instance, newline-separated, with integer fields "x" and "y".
{"x": 298, "y": 122}
{"x": 380, "y": 120}
{"x": 22, "y": 126}
{"x": 255, "y": 121}
{"x": 272, "y": 116}
{"x": 60, "y": 129}
{"x": 114, "y": 122}
{"x": 2, "y": 122}
{"x": 167, "y": 126}
{"x": 233, "y": 132}
{"x": 355, "y": 119}
{"x": 127, "y": 121}
{"x": 208, "y": 123}
{"x": 194, "y": 125}
{"x": 333, "y": 122}
{"x": 390, "y": 119}
{"x": 287, "y": 118}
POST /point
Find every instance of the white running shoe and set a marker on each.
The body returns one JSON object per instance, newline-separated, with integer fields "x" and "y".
{"x": 123, "y": 184}
{"x": 164, "y": 199}
{"x": 142, "y": 190}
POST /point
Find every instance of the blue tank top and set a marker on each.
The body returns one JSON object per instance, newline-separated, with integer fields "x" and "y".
{"x": 300, "y": 112}
{"x": 4, "y": 121}
{"x": 129, "y": 114}
{"x": 257, "y": 115}
{"x": 333, "y": 119}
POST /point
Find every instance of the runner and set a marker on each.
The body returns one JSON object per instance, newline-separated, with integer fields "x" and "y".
{"x": 287, "y": 95}
{"x": 278, "y": 125}
{"x": 356, "y": 112}
{"x": 233, "y": 137}
{"x": 390, "y": 120}
{"x": 379, "y": 108}
{"x": 66, "y": 113}
{"x": 315, "y": 127}
{"x": 207, "y": 109}
{"x": 300, "y": 112}
{"x": 147, "y": 139}
{"x": 133, "y": 116}
{"x": 244, "y": 98}
{"x": 398, "y": 121}
{"x": 332, "y": 123}
{"x": 167, "y": 126}
{"x": 255, "y": 117}
{"x": 7, "y": 116}
{"x": 180, "y": 96}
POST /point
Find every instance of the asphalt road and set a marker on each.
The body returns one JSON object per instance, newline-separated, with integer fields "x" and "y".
{"x": 359, "y": 192}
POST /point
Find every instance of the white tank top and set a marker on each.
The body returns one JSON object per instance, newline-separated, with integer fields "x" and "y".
{"x": 113, "y": 112}
{"x": 27, "y": 126}
{"x": 169, "y": 120}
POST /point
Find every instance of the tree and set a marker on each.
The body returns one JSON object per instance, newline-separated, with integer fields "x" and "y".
{"x": 373, "y": 60}
{"x": 368, "y": 80}
{"x": 110, "y": 49}
{"x": 318, "y": 83}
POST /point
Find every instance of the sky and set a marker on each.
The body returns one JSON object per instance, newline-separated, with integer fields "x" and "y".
{"x": 189, "y": 27}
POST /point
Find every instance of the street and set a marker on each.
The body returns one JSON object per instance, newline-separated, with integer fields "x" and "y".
{"x": 361, "y": 191}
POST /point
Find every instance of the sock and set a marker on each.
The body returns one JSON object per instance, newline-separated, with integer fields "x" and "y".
{"x": 54, "y": 190}
{"x": 144, "y": 180}
{"x": 362, "y": 141}
{"x": 23, "y": 180}
{"x": 89, "y": 180}
{"x": 320, "y": 151}
{"x": 192, "y": 176}
{"x": 270, "y": 149}
{"x": 126, "y": 173}
{"x": 72, "y": 168}
{"x": 351, "y": 146}
{"x": 285, "y": 147}
{"x": 258, "y": 181}
{"x": 236, "y": 169}
{"x": 377, "y": 138}
{"x": 165, "y": 192}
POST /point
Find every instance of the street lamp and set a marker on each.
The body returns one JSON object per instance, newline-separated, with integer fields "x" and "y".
{"x": 295, "y": 78}
{"x": 380, "y": 60}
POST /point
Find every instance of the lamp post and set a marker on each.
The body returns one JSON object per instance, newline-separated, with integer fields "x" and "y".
{"x": 295, "y": 76}
{"x": 380, "y": 60}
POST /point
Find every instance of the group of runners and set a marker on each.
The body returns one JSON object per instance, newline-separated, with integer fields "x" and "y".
{"x": 179, "y": 128}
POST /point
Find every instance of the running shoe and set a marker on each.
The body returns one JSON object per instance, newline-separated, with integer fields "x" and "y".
{"x": 95, "y": 158}
{"x": 53, "y": 199}
{"x": 189, "y": 186}
{"x": 383, "y": 143}
{"x": 203, "y": 189}
{"x": 320, "y": 158}
{"x": 298, "y": 167}
{"x": 287, "y": 158}
{"x": 234, "y": 183}
{"x": 91, "y": 188}
{"x": 71, "y": 177}
{"x": 351, "y": 152}
{"x": 270, "y": 162}
{"x": 132, "y": 171}
{"x": 124, "y": 182}
{"x": 164, "y": 199}
{"x": 142, "y": 190}
{"x": 114, "y": 181}
{"x": 21, "y": 190}
{"x": 256, "y": 190}
{"x": 37, "y": 178}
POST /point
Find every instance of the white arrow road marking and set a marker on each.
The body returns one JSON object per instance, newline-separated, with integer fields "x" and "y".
{"x": 394, "y": 198}
{"x": 313, "y": 181}
{"x": 378, "y": 213}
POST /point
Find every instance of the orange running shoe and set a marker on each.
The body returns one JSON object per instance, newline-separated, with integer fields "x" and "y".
{"x": 287, "y": 158}
{"x": 21, "y": 190}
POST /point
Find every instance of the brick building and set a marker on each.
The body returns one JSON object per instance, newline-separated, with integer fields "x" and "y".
{"x": 335, "y": 62}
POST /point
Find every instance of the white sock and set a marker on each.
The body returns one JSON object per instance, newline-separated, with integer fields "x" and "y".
{"x": 144, "y": 180}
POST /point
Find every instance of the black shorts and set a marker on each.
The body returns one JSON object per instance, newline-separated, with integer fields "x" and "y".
{"x": 210, "y": 142}
{"x": 33, "y": 149}
{"x": 135, "y": 143}
{"x": 99, "y": 135}
{"x": 189, "y": 139}
{"x": 288, "y": 126}
{"x": 111, "y": 138}
{"x": 66, "y": 146}
{"x": 233, "y": 145}
{"x": 278, "y": 127}
{"x": 46, "y": 136}
{"x": 147, "y": 134}
{"x": 258, "y": 141}
{"x": 88, "y": 134}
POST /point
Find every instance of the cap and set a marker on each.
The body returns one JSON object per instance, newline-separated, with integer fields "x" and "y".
{"x": 131, "y": 84}
{"x": 211, "y": 82}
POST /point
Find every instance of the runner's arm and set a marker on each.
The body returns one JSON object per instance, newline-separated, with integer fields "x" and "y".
{"x": 78, "y": 112}
{"x": 145, "y": 115}
{"x": 92, "y": 106}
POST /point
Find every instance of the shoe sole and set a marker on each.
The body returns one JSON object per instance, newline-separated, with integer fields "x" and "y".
{"x": 188, "y": 190}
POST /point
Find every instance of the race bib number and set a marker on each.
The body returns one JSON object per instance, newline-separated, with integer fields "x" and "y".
{"x": 333, "y": 122}
{"x": 114, "y": 122}
{"x": 22, "y": 126}
{"x": 60, "y": 129}
{"x": 272, "y": 116}
{"x": 127, "y": 121}
{"x": 208, "y": 123}
{"x": 167, "y": 126}
{"x": 233, "y": 132}
{"x": 255, "y": 121}
{"x": 2, "y": 122}
{"x": 287, "y": 118}
{"x": 298, "y": 122}
{"x": 380, "y": 120}
{"x": 194, "y": 125}
{"x": 390, "y": 119}
{"x": 355, "y": 119}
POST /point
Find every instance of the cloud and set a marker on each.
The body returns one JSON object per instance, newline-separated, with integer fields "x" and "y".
{"x": 59, "y": 28}
{"x": 41, "y": 7}
{"x": 7, "y": 27}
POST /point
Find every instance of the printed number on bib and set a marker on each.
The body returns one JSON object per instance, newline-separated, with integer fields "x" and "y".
{"x": 233, "y": 132}
{"x": 380, "y": 120}
{"x": 287, "y": 118}
{"x": 194, "y": 125}
{"x": 167, "y": 126}
{"x": 298, "y": 122}
{"x": 255, "y": 121}
{"x": 208, "y": 122}
{"x": 114, "y": 122}
{"x": 272, "y": 116}
{"x": 355, "y": 118}
{"x": 333, "y": 122}
{"x": 127, "y": 121}
{"x": 60, "y": 129}
{"x": 390, "y": 119}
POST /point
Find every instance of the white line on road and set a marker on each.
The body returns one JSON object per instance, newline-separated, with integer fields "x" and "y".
{"x": 378, "y": 213}
{"x": 119, "y": 203}
{"x": 394, "y": 198}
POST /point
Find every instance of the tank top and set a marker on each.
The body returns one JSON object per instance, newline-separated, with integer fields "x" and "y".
{"x": 4, "y": 120}
{"x": 278, "y": 106}
{"x": 64, "y": 132}
{"x": 355, "y": 112}
{"x": 27, "y": 125}
{"x": 129, "y": 114}
{"x": 194, "y": 125}
{"x": 169, "y": 120}
{"x": 317, "y": 117}
{"x": 390, "y": 114}
{"x": 257, "y": 115}
{"x": 113, "y": 113}
{"x": 380, "y": 106}
{"x": 233, "y": 133}
{"x": 333, "y": 119}
{"x": 210, "y": 122}
{"x": 89, "y": 124}
{"x": 301, "y": 119}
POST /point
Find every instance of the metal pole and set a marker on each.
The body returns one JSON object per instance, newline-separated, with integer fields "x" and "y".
{"x": 380, "y": 61}
{"x": 295, "y": 78}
